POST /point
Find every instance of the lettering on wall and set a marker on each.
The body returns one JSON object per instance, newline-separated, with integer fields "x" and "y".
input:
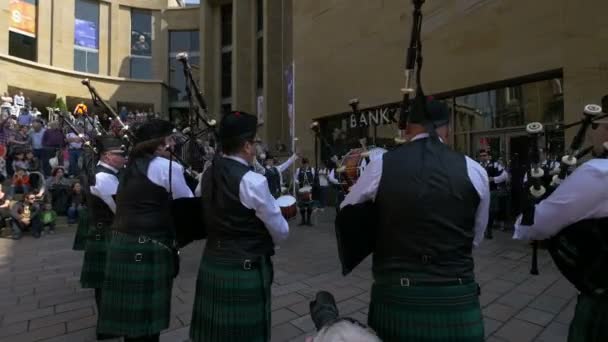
{"x": 375, "y": 116}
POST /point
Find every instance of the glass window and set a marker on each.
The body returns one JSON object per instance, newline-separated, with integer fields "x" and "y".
{"x": 86, "y": 36}
{"x": 182, "y": 41}
{"x": 22, "y": 29}
{"x": 141, "y": 44}
{"x": 190, "y": 3}
{"x": 227, "y": 74}
{"x": 226, "y": 25}
{"x": 260, "y": 67}
{"x": 260, "y": 15}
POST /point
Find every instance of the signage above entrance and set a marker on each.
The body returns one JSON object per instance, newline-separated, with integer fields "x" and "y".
{"x": 374, "y": 116}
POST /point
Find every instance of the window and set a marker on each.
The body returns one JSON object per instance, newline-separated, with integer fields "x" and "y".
{"x": 226, "y": 54}
{"x": 190, "y": 3}
{"x": 22, "y": 29}
{"x": 226, "y": 25}
{"x": 182, "y": 41}
{"x": 141, "y": 44}
{"x": 86, "y": 34}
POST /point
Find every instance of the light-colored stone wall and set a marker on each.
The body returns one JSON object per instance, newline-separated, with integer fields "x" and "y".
{"x": 356, "y": 48}
{"x": 61, "y": 82}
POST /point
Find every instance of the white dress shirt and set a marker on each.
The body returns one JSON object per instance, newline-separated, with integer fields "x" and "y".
{"x": 19, "y": 101}
{"x": 284, "y": 166}
{"x": 158, "y": 173}
{"x": 366, "y": 188}
{"x": 254, "y": 194}
{"x": 582, "y": 195}
{"x": 502, "y": 177}
{"x": 106, "y": 186}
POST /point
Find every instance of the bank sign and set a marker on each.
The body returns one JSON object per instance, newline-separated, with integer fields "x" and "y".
{"x": 374, "y": 116}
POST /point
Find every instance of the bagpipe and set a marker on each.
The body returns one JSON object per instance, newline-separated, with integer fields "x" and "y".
{"x": 186, "y": 212}
{"x": 354, "y": 224}
{"x": 580, "y": 251}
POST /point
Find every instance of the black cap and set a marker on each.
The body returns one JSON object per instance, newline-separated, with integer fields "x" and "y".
{"x": 153, "y": 129}
{"x": 238, "y": 125}
{"x": 436, "y": 112}
{"x": 108, "y": 143}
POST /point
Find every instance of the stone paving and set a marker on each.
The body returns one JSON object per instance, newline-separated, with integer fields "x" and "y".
{"x": 41, "y": 300}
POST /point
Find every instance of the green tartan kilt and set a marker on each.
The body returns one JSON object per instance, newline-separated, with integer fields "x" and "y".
{"x": 80, "y": 239}
{"x": 590, "y": 319}
{"x": 426, "y": 313}
{"x": 136, "y": 297}
{"x": 231, "y": 304}
{"x": 94, "y": 265}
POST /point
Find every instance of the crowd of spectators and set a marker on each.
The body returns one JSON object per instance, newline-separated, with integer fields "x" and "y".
{"x": 41, "y": 161}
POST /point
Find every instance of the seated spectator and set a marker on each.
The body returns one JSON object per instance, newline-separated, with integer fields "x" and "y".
{"x": 5, "y": 212}
{"x": 33, "y": 164}
{"x": 20, "y": 182}
{"x": 48, "y": 216}
{"x": 25, "y": 215}
{"x": 77, "y": 203}
{"x": 25, "y": 118}
{"x": 58, "y": 189}
{"x": 19, "y": 161}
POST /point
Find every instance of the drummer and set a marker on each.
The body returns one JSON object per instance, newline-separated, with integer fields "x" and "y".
{"x": 304, "y": 178}
{"x": 274, "y": 174}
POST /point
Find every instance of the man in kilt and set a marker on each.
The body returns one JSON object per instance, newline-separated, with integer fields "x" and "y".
{"x": 274, "y": 173}
{"x": 304, "y": 180}
{"x": 141, "y": 260}
{"x": 243, "y": 222}
{"x": 581, "y": 203}
{"x": 102, "y": 207}
{"x": 432, "y": 207}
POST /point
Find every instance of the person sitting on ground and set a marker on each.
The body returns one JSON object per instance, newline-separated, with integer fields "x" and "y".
{"x": 5, "y": 212}
{"x": 77, "y": 203}
{"x": 58, "y": 189}
{"x": 48, "y": 216}
{"x": 20, "y": 182}
{"x": 25, "y": 215}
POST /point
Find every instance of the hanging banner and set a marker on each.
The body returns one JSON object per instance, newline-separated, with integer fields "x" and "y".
{"x": 289, "y": 80}
{"x": 260, "y": 108}
{"x": 23, "y": 17}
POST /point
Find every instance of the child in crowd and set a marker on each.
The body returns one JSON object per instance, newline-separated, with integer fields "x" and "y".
{"x": 77, "y": 202}
{"x": 20, "y": 182}
{"x": 48, "y": 218}
{"x": 19, "y": 161}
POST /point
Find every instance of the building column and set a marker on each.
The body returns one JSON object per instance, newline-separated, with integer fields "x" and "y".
{"x": 209, "y": 71}
{"x": 243, "y": 52}
{"x": 160, "y": 47}
{"x": 44, "y": 20}
{"x": 273, "y": 73}
{"x": 104, "y": 38}
{"x": 63, "y": 34}
{"x": 4, "y": 20}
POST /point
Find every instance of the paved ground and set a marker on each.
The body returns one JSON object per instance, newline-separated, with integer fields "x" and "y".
{"x": 41, "y": 300}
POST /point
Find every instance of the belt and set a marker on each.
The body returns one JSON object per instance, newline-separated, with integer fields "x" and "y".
{"x": 249, "y": 263}
{"x": 411, "y": 282}
{"x": 99, "y": 229}
{"x": 141, "y": 239}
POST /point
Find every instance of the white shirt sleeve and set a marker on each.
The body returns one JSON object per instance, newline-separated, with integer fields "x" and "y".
{"x": 158, "y": 173}
{"x": 366, "y": 187}
{"x": 295, "y": 176}
{"x": 106, "y": 186}
{"x": 502, "y": 177}
{"x": 254, "y": 194}
{"x": 479, "y": 179}
{"x": 287, "y": 164}
{"x": 331, "y": 177}
{"x": 581, "y": 196}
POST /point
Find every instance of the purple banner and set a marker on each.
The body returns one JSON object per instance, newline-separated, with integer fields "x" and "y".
{"x": 85, "y": 34}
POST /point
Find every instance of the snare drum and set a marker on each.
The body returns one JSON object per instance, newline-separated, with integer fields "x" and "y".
{"x": 288, "y": 206}
{"x": 305, "y": 194}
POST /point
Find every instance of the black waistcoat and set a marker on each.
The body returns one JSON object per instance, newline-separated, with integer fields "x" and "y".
{"x": 305, "y": 175}
{"x": 100, "y": 212}
{"x": 233, "y": 230}
{"x": 493, "y": 171}
{"x": 142, "y": 207}
{"x": 423, "y": 226}
{"x": 274, "y": 181}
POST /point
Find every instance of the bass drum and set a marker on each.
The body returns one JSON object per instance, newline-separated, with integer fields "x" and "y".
{"x": 580, "y": 252}
{"x": 354, "y": 163}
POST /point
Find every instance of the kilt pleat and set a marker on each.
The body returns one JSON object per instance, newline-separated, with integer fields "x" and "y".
{"x": 136, "y": 297}
{"x": 590, "y": 317}
{"x": 426, "y": 313}
{"x": 94, "y": 264}
{"x": 231, "y": 304}
{"x": 82, "y": 230}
